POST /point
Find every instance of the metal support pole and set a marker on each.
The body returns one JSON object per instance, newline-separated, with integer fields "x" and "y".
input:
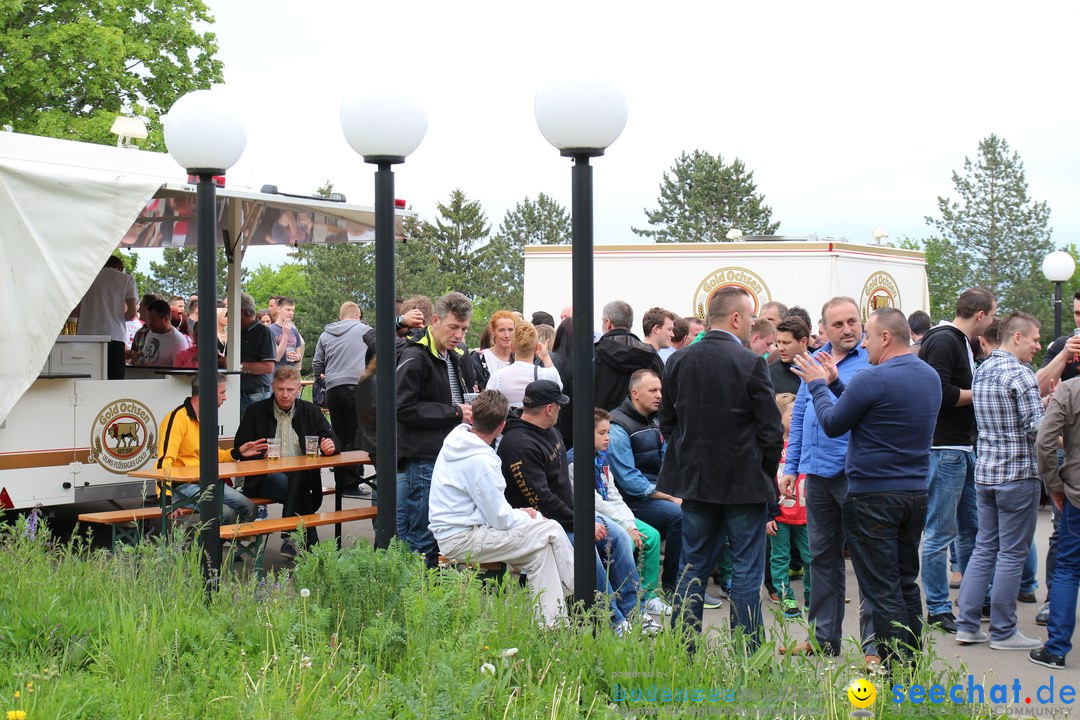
{"x": 386, "y": 354}
{"x": 584, "y": 392}
{"x": 211, "y": 493}
{"x": 1057, "y": 310}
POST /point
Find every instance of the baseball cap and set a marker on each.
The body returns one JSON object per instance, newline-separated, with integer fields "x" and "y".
{"x": 543, "y": 392}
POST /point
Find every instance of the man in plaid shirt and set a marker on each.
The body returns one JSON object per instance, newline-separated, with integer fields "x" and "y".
{"x": 1008, "y": 411}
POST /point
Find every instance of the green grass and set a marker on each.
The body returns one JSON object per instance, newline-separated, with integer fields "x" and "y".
{"x": 84, "y": 634}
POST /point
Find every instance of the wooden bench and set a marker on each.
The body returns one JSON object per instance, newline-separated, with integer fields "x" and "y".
{"x": 127, "y": 525}
{"x": 249, "y": 539}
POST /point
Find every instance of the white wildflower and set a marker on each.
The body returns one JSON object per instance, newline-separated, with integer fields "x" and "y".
{"x": 304, "y": 592}
{"x": 487, "y": 669}
{"x": 509, "y": 652}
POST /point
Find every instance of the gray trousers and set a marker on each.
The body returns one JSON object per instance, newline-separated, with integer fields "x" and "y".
{"x": 1007, "y": 517}
{"x": 825, "y": 528}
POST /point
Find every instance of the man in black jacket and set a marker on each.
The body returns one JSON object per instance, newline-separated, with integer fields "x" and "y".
{"x": 288, "y": 418}
{"x": 724, "y": 439}
{"x": 432, "y": 379}
{"x": 619, "y": 353}
{"x": 951, "y": 513}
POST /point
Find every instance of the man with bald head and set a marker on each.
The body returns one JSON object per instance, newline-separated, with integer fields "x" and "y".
{"x": 890, "y": 409}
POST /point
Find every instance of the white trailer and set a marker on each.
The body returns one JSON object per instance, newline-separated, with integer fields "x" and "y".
{"x": 682, "y": 276}
{"x": 67, "y": 434}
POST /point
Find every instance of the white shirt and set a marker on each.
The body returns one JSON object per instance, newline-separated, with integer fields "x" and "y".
{"x": 160, "y": 349}
{"x": 494, "y": 364}
{"x": 101, "y": 311}
{"x": 513, "y": 378}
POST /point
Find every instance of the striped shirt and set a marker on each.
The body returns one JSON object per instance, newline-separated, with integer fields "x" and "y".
{"x": 1008, "y": 411}
{"x": 456, "y": 396}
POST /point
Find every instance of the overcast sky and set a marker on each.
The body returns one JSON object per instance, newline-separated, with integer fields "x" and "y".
{"x": 851, "y": 115}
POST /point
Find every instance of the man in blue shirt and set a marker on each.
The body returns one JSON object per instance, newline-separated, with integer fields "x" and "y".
{"x": 890, "y": 409}
{"x": 812, "y": 452}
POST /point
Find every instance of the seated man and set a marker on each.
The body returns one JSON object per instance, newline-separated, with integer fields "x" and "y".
{"x": 178, "y": 446}
{"x": 163, "y": 341}
{"x": 289, "y": 419}
{"x": 472, "y": 521}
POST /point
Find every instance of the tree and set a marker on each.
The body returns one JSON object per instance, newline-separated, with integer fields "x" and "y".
{"x": 69, "y": 67}
{"x": 995, "y": 232}
{"x": 543, "y": 222}
{"x": 288, "y": 279}
{"x": 702, "y": 198}
{"x": 178, "y": 272}
{"x": 946, "y": 274}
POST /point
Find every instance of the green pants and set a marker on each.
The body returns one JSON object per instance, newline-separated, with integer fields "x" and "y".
{"x": 780, "y": 559}
{"x": 648, "y": 559}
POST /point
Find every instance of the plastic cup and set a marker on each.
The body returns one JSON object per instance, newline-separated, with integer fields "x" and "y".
{"x": 311, "y": 445}
{"x": 470, "y": 398}
{"x": 273, "y": 449}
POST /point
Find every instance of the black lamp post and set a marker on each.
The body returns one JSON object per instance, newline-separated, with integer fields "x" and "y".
{"x": 1058, "y": 267}
{"x": 206, "y": 138}
{"x": 384, "y": 127}
{"x": 581, "y": 119}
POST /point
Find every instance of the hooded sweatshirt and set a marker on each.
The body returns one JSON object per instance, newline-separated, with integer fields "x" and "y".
{"x": 467, "y": 488}
{"x": 342, "y": 352}
{"x": 535, "y": 469}
{"x": 619, "y": 354}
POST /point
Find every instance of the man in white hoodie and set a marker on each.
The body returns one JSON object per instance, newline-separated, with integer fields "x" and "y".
{"x": 472, "y": 521}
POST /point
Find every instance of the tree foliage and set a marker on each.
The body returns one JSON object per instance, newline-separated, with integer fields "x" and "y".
{"x": 266, "y": 280}
{"x": 178, "y": 273}
{"x": 68, "y": 67}
{"x": 543, "y": 222}
{"x": 702, "y": 198}
{"x": 992, "y": 234}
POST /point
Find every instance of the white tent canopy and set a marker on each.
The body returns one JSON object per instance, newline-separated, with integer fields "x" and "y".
{"x": 65, "y": 206}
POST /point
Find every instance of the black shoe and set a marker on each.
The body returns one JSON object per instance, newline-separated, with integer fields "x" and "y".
{"x": 1043, "y": 618}
{"x": 356, "y": 491}
{"x": 1047, "y": 659}
{"x": 1026, "y": 597}
{"x": 986, "y": 611}
{"x": 945, "y": 622}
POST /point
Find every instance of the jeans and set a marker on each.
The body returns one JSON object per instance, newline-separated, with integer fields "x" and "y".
{"x": 704, "y": 526}
{"x": 1007, "y": 516}
{"x": 825, "y": 530}
{"x": 341, "y": 400}
{"x": 252, "y": 398}
{"x": 235, "y": 507}
{"x": 780, "y": 559}
{"x": 950, "y": 515}
{"x": 1062, "y": 623}
{"x": 616, "y": 573}
{"x": 413, "y": 488}
{"x": 883, "y": 531}
{"x": 667, "y": 517}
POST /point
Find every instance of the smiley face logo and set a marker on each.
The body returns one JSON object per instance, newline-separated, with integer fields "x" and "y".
{"x": 862, "y": 693}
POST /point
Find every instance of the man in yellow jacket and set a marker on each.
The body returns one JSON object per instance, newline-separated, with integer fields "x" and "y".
{"x": 178, "y": 446}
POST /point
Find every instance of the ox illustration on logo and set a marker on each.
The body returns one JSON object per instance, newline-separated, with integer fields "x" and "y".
{"x": 122, "y": 436}
{"x": 879, "y": 291}
{"x": 740, "y": 277}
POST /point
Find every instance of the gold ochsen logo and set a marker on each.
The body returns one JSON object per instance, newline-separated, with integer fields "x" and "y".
{"x": 122, "y": 436}
{"x": 725, "y": 277}
{"x": 879, "y": 291}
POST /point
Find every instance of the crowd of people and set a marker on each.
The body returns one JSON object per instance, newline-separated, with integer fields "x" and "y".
{"x": 747, "y": 447}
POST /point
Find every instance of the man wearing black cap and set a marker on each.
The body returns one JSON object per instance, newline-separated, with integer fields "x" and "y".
{"x": 538, "y": 476}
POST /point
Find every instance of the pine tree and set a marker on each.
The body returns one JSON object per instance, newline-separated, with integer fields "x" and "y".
{"x": 178, "y": 272}
{"x": 543, "y": 222}
{"x": 702, "y": 198}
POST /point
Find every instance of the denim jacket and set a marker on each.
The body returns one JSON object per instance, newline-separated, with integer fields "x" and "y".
{"x": 810, "y": 451}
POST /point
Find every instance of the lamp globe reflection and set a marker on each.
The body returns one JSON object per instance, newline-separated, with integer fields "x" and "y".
{"x": 581, "y": 117}
{"x": 1058, "y": 266}
{"x": 204, "y": 132}
{"x": 383, "y": 125}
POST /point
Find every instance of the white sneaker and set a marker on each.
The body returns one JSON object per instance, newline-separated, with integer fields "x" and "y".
{"x": 623, "y": 627}
{"x": 656, "y": 606}
{"x": 1016, "y": 642}
{"x": 970, "y": 638}
{"x": 649, "y": 626}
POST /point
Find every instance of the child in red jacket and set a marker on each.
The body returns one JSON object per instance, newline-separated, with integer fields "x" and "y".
{"x": 789, "y": 525}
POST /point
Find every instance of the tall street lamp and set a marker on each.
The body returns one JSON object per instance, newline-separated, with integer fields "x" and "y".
{"x": 206, "y": 137}
{"x": 384, "y": 126}
{"x": 581, "y": 119}
{"x": 1058, "y": 267}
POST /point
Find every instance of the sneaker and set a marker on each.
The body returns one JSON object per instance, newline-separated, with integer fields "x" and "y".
{"x": 986, "y": 612}
{"x": 356, "y": 491}
{"x": 773, "y": 597}
{"x": 621, "y": 628}
{"x": 970, "y": 638}
{"x": 792, "y": 609}
{"x": 1026, "y": 597}
{"x": 649, "y": 626}
{"x": 946, "y": 622}
{"x": 725, "y": 589}
{"x": 1047, "y": 659}
{"x": 287, "y": 550}
{"x": 794, "y": 573}
{"x": 1043, "y": 618}
{"x": 955, "y": 579}
{"x": 712, "y": 603}
{"x": 261, "y": 513}
{"x": 656, "y": 606}
{"x": 1016, "y": 642}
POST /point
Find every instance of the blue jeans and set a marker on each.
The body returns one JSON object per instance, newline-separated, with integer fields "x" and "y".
{"x": 1007, "y": 516}
{"x": 704, "y": 527}
{"x": 1062, "y": 623}
{"x": 234, "y": 504}
{"x": 616, "y": 572}
{"x": 883, "y": 532}
{"x": 667, "y": 517}
{"x": 252, "y": 398}
{"x": 413, "y": 488}
{"x": 950, "y": 515}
